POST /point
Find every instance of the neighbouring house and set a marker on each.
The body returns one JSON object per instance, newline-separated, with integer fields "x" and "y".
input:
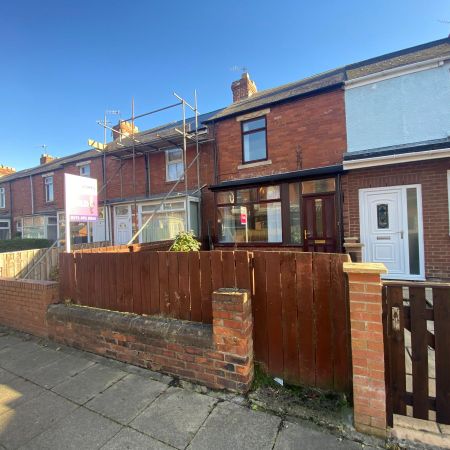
{"x": 279, "y": 163}
{"x": 135, "y": 182}
{"x": 396, "y": 190}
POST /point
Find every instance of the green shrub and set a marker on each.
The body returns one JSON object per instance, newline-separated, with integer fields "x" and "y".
{"x": 15, "y": 245}
{"x": 185, "y": 242}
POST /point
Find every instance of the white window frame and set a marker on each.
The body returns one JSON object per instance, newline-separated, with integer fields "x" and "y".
{"x": 47, "y": 189}
{"x": 83, "y": 167}
{"x": 6, "y": 228}
{"x": 170, "y": 163}
{"x": 2, "y": 198}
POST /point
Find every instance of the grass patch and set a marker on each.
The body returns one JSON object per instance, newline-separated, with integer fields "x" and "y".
{"x": 15, "y": 245}
{"x": 261, "y": 379}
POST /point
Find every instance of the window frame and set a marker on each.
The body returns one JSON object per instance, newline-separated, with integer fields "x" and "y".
{"x": 249, "y": 204}
{"x": 2, "y": 198}
{"x": 46, "y": 184}
{"x": 82, "y": 167}
{"x": 181, "y": 160}
{"x": 257, "y": 130}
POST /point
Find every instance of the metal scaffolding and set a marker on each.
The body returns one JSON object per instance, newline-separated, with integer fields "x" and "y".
{"x": 158, "y": 140}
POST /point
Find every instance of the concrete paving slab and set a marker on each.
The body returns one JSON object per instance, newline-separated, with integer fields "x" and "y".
{"x": 6, "y": 376}
{"x": 293, "y": 436}
{"x": 131, "y": 439}
{"x": 58, "y": 371}
{"x": 29, "y": 361}
{"x": 81, "y": 429}
{"x": 230, "y": 426}
{"x": 15, "y": 392}
{"x": 10, "y": 354}
{"x": 9, "y": 340}
{"x": 124, "y": 400}
{"x": 147, "y": 373}
{"x": 29, "y": 419}
{"x": 175, "y": 416}
{"x": 87, "y": 384}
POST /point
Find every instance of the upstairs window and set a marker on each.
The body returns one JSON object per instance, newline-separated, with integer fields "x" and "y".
{"x": 2, "y": 198}
{"x": 85, "y": 170}
{"x": 48, "y": 183}
{"x": 174, "y": 164}
{"x": 254, "y": 145}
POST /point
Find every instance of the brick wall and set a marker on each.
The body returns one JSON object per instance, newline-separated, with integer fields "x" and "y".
{"x": 23, "y": 304}
{"x": 432, "y": 176}
{"x": 366, "y": 326}
{"x": 305, "y": 133}
{"x": 219, "y": 356}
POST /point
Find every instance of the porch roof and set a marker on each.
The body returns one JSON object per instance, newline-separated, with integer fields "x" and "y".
{"x": 286, "y": 176}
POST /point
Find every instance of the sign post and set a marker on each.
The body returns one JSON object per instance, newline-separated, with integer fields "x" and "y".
{"x": 80, "y": 201}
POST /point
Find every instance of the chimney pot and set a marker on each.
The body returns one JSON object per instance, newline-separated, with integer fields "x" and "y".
{"x": 243, "y": 88}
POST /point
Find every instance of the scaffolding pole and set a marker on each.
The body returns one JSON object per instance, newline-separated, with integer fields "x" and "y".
{"x": 186, "y": 167}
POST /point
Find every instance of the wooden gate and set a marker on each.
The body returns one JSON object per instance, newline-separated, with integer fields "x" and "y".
{"x": 416, "y": 320}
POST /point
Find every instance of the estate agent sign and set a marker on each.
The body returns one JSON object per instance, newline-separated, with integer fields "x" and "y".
{"x": 80, "y": 201}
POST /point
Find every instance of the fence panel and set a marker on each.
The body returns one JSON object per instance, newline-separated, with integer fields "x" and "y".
{"x": 301, "y": 331}
{"x": 417, "y": 341}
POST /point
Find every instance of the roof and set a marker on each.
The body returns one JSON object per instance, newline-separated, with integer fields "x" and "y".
{"x": 336, "y": 77}
{"x": 284, "y": 176}
{"x": 57, "y": 163}
{"x": 322, "y": 81}
{"x": 435, "y": 144}
{"x": 145, "y": 137}
{"x": 162, "y": 136}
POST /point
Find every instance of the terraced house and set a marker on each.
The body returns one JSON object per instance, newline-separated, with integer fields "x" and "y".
{"x": 355, "y": 159}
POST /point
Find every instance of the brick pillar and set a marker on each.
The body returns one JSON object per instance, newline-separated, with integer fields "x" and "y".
{"x": 232, "y": 336}
{"x": 366, "y": 324}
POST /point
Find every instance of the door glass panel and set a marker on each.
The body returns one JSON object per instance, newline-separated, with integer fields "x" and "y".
{"x": 122, "y": 210}
{"x": 294, "y": 213}
{"x": 382, "y": 216}
{"x": 319, "y": 217}
{"x": 318, "y": 186}
{"x": 413, "y": 231}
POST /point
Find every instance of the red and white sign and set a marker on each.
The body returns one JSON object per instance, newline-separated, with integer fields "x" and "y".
{"x": 80, "y": 198}
{"x": 243, "y": 215}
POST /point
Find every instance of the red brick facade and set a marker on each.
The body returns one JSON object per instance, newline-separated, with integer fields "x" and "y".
{"x": 366, "y": 325}
{"x": 432, "y": 176}
{"x": 304, "y": 133}
{"x": 23, "y": 304}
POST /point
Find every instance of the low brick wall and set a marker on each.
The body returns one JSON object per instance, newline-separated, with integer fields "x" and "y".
{"x": 23, "y": 304}
{"x": 219, "y": 356}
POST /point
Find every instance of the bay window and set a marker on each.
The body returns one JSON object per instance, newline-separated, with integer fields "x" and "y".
{"x": 250, "y": 215}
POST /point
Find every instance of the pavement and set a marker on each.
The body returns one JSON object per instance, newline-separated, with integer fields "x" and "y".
{"x": 56, "y": 397}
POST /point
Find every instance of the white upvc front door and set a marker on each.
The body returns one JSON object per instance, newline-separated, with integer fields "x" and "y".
{"x": 122, "y": 227}
{"x": 100, "y": 228}
{"x": 391, "y": 230}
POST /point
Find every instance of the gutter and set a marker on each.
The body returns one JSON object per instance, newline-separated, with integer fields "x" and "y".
{"x": 299, "y": 174}
{"x": 396, "y": 159}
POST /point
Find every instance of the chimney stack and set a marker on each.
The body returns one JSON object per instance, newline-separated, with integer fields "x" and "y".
{"x": 124, "y": 129}
{"x": 243, "y": 88}
{"x": 46, "y": 158}
{"x": 5, "y": 170}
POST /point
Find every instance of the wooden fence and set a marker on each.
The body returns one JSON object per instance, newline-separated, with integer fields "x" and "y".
{"x": 301, "y": 329}
{"x": 38, "y": 264}
{"x": 417, "y": 342}
{"x": 42, "y": 263}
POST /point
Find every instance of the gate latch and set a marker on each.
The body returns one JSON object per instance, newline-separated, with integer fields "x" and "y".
{"x": 396, "y": 318}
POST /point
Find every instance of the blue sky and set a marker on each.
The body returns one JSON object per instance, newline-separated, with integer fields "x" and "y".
{"x": 64, "y": 62}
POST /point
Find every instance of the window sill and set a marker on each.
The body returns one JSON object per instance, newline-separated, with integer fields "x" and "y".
{"x": 255, "y": 164}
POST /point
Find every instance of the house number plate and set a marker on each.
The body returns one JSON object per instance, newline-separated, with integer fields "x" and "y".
{"x": 396, "y": 318}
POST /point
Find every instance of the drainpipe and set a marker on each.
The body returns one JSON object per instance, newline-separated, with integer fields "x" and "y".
{"x": 32, "y": 195}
